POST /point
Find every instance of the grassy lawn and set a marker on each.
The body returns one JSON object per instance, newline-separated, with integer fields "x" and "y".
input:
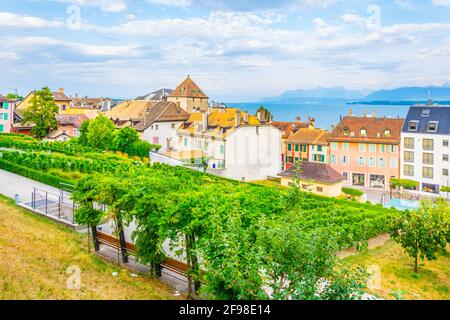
{"x": 35, "y": 254}
{"x": 432, "y": 281}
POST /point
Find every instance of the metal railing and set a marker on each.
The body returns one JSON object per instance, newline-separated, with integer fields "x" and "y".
{"x": 52, "y": 204}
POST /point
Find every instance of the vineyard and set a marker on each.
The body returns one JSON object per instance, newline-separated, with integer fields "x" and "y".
{"x": 230, "y": 230}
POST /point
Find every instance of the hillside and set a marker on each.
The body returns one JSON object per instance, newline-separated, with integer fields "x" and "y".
{"x": 36, "y": 253}
{"x": 411, "y": 94}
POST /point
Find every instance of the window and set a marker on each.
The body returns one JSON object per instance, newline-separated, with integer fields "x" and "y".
{"x": 156, "y": 127}
{"x": 296, "y": 159}
{"x": 346, "y": 146}
{"x": 334, "y": 146}
{"x": 185, "y": 142}
{"x": 296, "y": 147}
{"x": 428, "y": 158}
{"x": 382, "y": 162}
{"x": 409, "y": 143}
{"x": 445, "y": 157}
{"x": 5, "y": 116}
{"x": 319, "y": 189}
{"x": 408, "y": 170}
{"x": 345, "y": 160}
{"x": 432, "y": 126}
{"x": 413, "y": 125}
{"x": 382, "y": 148}
{"x": 392, "y": 148}
{"x": 346, "y": 131}
{"x": 345, "y": 174}
{"x": 222, "y": 149}
{"x": 427, "y": 172}
{"x": 377, "y": 181}
{"x": 387, "y": 133}
{"x": 359, "y": 179}
{"x": 445, "y": 172}
{"x": 362, "y": 147}
{"x": 289, "y": 147}
{"x": 333, "y": 159}
{"x": 371, "y": 162}
{"x": 426, "y": 113}
{"x": 1, "y": 128}
{"x": 428, "y": 144}
{"x": 361, "y": 161}
{"x": 445, "y": 143}
{"x": 173, "y": 125}
{"x": 394, "y": 163}
{"x": 319, "y": 148}
{"x": 372, "y": 148}
{"x": 363, "y": 132}
{"x": 408, "y": 156}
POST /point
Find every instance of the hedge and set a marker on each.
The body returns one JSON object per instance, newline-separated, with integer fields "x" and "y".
{"x": 352, "y": 192}
{"x": 43, "y": 177}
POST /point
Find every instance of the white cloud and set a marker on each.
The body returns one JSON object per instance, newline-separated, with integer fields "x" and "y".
{"x": 171, "y": 3}
{"x": 105, "y": 5}
{"x": 442, "y": 3}
{"x": 8, "y": 19}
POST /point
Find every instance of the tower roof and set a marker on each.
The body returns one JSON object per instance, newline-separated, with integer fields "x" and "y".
{"x": 188, "y": 89}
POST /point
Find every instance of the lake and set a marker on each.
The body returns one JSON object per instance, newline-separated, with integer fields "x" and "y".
{"x": 326, "y": 113}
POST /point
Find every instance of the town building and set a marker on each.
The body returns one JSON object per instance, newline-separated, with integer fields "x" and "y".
{"x": 189, "y": 97}
{"x": 61, "y": 100}
{"x": 307, "y": 144}
{"x": 6, "y": 114}
{"x": 287, "y": 129}
{"x": 366, "y": 150}
{"x": 68, "y": 127}
{"x": 230, "y": 143}
{"x": 157, "y": 95}
{"x": 425, "y": 147}
{"x": 156, "y": 121}
{"x": 318, "y": 178}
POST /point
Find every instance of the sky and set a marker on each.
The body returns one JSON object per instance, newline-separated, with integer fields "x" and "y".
{"x": 235, "y": 50}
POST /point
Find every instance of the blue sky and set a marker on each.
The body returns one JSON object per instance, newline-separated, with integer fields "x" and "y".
{"x": 235, "y": 50}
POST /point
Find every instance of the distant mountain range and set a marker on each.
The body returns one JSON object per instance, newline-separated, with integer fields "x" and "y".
{"x": 340, "y": 93}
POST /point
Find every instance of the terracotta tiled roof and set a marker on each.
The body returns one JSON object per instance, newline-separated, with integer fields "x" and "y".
{"x": 161, "y": 111}
{"x": 189, "y": 89}
{"x": 75, "y": 120}
{"x": 378, "y": 130}
{"x": 310, "y": 136}
{"x": 60, "y": 96}
{"x": 221, "y": 121}
{"x": 129, "y": 109}
{"x": 93, "y": 103}
{"x": 319, "y": 172}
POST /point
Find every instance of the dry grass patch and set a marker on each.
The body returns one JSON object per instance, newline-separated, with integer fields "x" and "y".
{"x": 432, "y": 282}
{"x": 35, "y": 254}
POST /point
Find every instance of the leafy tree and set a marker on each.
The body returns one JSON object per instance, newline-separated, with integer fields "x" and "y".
{"x": 42, "y": 112}
{"x": 84, "y": 129}
{"x": 86, "y": 214}
{"x": 13, "y": 96}
{"x": 125, "y": 138}
{"x": 265, "y": 113}
{"x": 101, "y": 133}
{"x": 423, "y": 233}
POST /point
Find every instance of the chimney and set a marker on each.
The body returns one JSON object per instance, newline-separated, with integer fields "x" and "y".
{"x": 178, "y": 105}
{"x": 311, "y": 122}
{"x": 204, "y": 121}
{"x": 258, "y": 115}
{"x": 237, "y": 118}
{"x": 61, "y": 90}
{"x": 246, "y": 117}
{"x": 350, "y": 112}
{"x": 298, "y": 119}
{"x": 374, "y": 114}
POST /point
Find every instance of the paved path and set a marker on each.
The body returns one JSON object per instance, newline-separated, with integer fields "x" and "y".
{"x": 11, "y": 183}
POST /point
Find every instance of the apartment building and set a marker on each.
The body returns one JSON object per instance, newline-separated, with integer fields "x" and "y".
{"x": 425, "y": 147}
{"x": 6, "y": 114}
{"x": 366, "y": 150}
{"x": 307, "y": 144}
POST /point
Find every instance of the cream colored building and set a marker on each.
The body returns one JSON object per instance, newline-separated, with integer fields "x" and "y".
{"x": 318, "y": 178}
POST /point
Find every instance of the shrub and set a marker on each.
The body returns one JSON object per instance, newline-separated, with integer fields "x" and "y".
{"x": 405, "y": 183}
{"x": 352, "y": 192}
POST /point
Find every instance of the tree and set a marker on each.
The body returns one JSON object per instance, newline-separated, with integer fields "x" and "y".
{"x": 125, "y": 138}
{"x": 424, "y": 232}
{"x": 101, "y": 132}
{"x": 84, "y": 129}
{"x": 42, "y": 112}
{"x": 14, "y": 96}
{"x": 86, "y": 214}
{"x": 265, "y": 114}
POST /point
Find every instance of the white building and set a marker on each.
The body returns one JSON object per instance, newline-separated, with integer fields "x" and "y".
{"x": 231, "y": 143}
{"x": 156, "y": 121}
{"x": 425, "y": 147}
